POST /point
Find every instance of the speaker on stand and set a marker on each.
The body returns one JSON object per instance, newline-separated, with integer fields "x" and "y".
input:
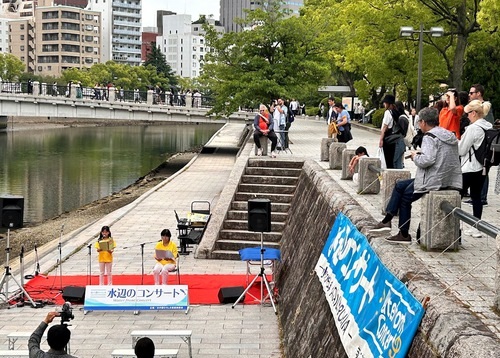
{"x": 11, "y": 211}
{"x": 259, "y": 215}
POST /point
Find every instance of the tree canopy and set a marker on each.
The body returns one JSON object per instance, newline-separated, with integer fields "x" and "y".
{"x": 11, "y": 67}
{"x": 278, "y": 57}
{"x": 158, "y": 60}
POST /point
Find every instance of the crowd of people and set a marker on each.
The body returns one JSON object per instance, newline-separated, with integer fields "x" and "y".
{"x": 449, "y": 134}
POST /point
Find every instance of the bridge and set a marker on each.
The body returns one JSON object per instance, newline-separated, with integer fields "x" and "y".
{"x": 38, "y": 103}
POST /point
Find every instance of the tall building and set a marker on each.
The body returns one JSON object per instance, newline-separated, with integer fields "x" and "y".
{"x": 235, "y": 9}
{"x": 121, "y": 30}
{"x": 12, "y": 10}
{"x": 183, "y": 43}
{"x": 149, "y": 35}
{"x": 66, "y": 37}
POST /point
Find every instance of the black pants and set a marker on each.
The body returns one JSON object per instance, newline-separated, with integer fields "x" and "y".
{"x": 474, "y": 181}
{"x": 271, "y": 135}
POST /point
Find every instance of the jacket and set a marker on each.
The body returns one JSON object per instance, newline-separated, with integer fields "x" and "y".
{"x": 438, "y": 165}
{"x": 473, "y": 136}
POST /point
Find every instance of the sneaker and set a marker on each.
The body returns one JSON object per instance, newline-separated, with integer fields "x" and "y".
{"x": 259, "y": 152}
{"x": 485, "y": 203}
{"x": 399, "y": 239}
{"x": 273, "y": 154}
{"x": 381, "y": 227}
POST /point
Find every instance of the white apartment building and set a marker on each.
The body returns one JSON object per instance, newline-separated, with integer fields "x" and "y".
{"x": 121, "y": 30}
{"x": 235, "y": 9}
{"x": 183, "y": 44}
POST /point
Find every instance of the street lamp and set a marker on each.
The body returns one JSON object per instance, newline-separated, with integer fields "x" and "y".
{"x": 408, "y": 31}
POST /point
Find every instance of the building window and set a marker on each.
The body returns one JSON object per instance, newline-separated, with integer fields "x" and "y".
{"x": 201, "y": 41}
{"x": 22, "y": 48}
{"x": 22, "y": 27}
{"x": 22, "y": 58}
{"x": 194, "y": 48}
{"x": 194, "y": 57}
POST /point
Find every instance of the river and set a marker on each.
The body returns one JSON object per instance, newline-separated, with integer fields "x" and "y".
{"x": 60, "y": 169}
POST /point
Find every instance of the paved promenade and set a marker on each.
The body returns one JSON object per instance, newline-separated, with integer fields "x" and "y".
{"x": 219, "y": 331}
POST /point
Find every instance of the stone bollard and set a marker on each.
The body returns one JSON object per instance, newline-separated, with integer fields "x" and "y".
{"x": 149, "y": 98}
{"x": 389, "y": 179}
{"x": 325, "y": 149}
{"x": 74, "y": 88}
{"x": 335, "y": 152}
{"x": 112, "y": 94}
{"x": 189, "y": 100}
{"x": 347, "y": 155}
{"x": 368, "y": 179}
{"x": 497, "y": 284}
{"x": 36, "y": 88}
{"x": 264, "y": 141}
{"x": 438, "y": 230}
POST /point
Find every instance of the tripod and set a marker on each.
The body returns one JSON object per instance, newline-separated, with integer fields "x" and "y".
{"x": 4, "y": 282}
{"x": 263, "y": 280}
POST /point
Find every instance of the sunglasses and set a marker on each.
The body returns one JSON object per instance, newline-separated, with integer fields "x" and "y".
{"x": 472, "y": 92}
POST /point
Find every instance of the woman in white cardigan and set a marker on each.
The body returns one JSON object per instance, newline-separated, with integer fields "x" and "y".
{"x": 472, "y": 169}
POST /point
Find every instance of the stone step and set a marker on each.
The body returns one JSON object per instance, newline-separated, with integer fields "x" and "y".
{"x": 245, "y": 235}
{"x": 265, "y": 171}
{"x": 275, "y": 207}
{"x": 243, "y": 215}
{"x": 275, "y": 163}
{"x": 236, "y": 245}
{"x": 266, "y": 188}
{"x": 271, "y": 180}
{"x": 243, "y": 225}
{"x": 275, "y": 198}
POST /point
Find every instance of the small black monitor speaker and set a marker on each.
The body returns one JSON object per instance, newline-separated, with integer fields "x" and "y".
{"x": 11, "y": 211}
{"x": 75, "y": 294}
{"x": 259, "y": 215}
{"x": 231, "y": 294}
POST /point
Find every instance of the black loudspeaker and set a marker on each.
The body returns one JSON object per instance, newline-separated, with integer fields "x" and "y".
{"x": 259, "y": 215}
{"x": 11, "y": 211}
{"x": 231, "y": 294}
{"x": 74, "y": 294}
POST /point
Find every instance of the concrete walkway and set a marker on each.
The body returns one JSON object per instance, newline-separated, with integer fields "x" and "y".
{"x": 219, "y": 331}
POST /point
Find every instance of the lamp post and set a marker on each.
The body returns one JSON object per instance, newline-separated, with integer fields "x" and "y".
{"x": 408, "y": 31}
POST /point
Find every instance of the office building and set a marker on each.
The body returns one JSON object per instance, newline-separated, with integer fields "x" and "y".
{"x": 121, "y": 30}
{"x": 234, "y": 9}
{"x": 183, "y": 43}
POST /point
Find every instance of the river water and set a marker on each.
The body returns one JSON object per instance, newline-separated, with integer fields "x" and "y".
{"x": 60, "y": 169}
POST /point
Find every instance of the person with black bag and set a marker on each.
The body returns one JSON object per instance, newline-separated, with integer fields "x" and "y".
{"x": 390, "y": 138}
{"x": 343, "y": 124}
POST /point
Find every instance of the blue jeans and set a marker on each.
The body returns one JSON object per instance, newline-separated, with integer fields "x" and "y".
{"x": 398, "y": 154}
{"x": 401, "y": 199}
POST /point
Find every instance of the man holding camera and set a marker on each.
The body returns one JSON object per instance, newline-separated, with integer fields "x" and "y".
{"x": 57, "y": 338}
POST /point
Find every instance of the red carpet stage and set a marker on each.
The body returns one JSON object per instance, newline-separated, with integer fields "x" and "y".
{"x": 203, "y": 289}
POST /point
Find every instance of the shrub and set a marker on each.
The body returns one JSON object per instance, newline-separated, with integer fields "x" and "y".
{"x": 377, "y": 117}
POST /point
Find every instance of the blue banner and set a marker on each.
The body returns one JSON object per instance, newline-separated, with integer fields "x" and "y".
{"x": 375, "y": 314}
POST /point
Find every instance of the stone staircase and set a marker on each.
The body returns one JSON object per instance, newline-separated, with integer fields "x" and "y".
{"x": 271, "y": 179}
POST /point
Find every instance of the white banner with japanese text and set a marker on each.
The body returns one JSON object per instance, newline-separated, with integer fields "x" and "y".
{"x": 136, "y": 297}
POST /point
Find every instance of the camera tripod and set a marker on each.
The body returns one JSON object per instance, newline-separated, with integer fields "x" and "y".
{"x": 4, "y": 282}
{"x": 263, "y": 280}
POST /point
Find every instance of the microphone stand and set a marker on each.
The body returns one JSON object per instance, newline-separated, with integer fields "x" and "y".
{"x": 142, "y": 257}
{"x": 89, "y": 280}
{"x": 59, "y": 246}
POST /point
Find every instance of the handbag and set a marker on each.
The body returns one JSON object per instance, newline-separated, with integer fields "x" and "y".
{"x": 392, "y": 138}
{"x": 332, "y": 129}
{"x": 381, "y": 156}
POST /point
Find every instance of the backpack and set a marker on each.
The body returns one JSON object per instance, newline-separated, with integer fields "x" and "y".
{"x": 290, "y": 117}
{"x": 400, "y": 124}
{"x": 488, "y": 152}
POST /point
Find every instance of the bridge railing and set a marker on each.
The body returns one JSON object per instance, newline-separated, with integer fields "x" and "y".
{"x": 102, "y": 93}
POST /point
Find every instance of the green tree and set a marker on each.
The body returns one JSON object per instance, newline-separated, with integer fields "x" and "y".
{"x": 158, "y": 60}
{"x": 278, "y": 56}
{"x": 11, "y": 67}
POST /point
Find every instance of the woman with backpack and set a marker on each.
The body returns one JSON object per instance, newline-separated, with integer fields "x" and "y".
{"x": 472, "y": 169}
{"x": 390, "y": 138}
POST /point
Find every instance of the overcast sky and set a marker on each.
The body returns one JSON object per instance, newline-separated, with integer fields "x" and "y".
{"x": 192, "y": 7}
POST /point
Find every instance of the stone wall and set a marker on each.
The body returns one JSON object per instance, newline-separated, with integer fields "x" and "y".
{"x": 448, "y": 329}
